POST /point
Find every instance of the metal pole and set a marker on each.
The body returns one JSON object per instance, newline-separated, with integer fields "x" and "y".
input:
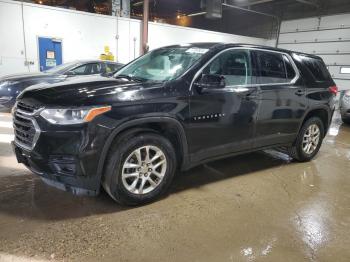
{"x": 278, "y": 31}
{"x": 26, "y": 62}
{"x": 144, "y": 47}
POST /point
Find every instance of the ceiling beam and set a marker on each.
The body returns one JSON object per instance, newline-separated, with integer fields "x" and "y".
{"x": 253, "y": 3}
{"x": 308, "y": 2}
{"x": 249, "y": 10}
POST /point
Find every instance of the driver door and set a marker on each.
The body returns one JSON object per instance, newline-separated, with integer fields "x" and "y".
{"x": 223, "y": 115}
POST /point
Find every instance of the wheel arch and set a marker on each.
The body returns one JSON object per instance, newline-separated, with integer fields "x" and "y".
{"x": 321, "y": 112}
{"x": 150, "y": 124}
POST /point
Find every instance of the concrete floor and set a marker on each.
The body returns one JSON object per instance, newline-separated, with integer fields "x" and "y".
{"x": 256, "y": 207}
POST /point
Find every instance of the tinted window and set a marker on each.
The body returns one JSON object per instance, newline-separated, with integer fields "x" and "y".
{"x": 272, "y": 68}
{"x": 61, "y": 69}
{"x": 317, "y": 68}
{"x": 87, "y": 69}
{"x": 234, "y": 65}
{"x": 289, "y": 68}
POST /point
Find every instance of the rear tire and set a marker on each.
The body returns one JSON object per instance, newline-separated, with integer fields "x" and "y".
{"x": 131, "y": 177}
{"x": 308, "y": 141}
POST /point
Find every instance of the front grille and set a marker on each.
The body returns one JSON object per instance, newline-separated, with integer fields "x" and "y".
{"x": 25, "y": 127}
{"x": 26, "y": 108}
{"x": 24, "y": 130}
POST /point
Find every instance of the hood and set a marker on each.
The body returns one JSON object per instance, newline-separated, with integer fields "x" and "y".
{"x": 89, "y": 90}
{"x": 26, "y": 76}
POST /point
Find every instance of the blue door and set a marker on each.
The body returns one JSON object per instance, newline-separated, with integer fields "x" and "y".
{"x": 50, "y": 53}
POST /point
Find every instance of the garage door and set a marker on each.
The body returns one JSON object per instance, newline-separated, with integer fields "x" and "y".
{"x": 328, "y": 37}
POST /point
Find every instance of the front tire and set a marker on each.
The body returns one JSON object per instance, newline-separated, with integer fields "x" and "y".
{"x": 308, "y": 141}
{"x": 139, "y": 169}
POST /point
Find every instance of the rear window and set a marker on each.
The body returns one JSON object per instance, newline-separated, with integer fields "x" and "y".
{"x": 317, "y": 68}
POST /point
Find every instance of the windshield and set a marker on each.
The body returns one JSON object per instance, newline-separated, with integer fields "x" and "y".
{"x": 162, "y": 64}
{"x": 60, "y": 69}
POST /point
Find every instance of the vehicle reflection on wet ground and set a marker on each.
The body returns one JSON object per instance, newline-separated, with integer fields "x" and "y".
{"x": 259, "y": 206}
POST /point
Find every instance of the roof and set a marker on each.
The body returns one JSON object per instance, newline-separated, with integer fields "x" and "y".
{"x": 221, "y": 45}
{"x": 84, "y": 61}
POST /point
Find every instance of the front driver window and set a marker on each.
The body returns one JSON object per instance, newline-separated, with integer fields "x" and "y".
{"x": 234, "y": 65}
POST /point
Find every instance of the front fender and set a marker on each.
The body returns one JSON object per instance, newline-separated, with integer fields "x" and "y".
{"x": 145, "y": 120}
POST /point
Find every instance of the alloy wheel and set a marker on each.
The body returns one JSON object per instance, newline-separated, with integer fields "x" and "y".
{"x": 311, "y": 139}
{"x": 144, "y": 169}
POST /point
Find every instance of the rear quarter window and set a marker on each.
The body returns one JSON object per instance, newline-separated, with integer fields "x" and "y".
{"x": 317, "y": 68}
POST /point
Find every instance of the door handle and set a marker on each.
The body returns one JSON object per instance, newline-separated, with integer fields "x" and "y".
{"x": 246, "y": 93}
{"x": 300, "y": 92}
{"x": 251, "y": 95}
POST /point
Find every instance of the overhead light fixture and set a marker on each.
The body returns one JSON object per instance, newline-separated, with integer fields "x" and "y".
{"x": 138, "y": 3}
{"x": 197, "y": 14}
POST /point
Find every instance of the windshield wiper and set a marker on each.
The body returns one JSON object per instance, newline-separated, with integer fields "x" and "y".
{"x": 130, "y": 78}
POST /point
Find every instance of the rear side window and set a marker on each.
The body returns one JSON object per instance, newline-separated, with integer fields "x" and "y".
{"x": 290, "y": 72}
{"x": 272, "y": 68}
{"x": 317, "y": 68}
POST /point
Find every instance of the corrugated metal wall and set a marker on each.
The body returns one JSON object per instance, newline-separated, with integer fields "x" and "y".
{"x": 327, "y": 36}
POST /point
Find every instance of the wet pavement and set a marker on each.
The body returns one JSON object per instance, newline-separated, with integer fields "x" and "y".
{"x": 255, "y": 207}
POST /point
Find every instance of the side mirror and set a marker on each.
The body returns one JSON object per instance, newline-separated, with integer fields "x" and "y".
{"x": 207, "y": 82}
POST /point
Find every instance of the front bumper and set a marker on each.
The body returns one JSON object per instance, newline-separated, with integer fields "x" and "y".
{"x": 66, "y": 157}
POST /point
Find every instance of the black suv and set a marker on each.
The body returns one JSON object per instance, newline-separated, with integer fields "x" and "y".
{"x": 173, "y": 108}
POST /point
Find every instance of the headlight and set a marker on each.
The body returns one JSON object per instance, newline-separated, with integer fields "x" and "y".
{"x": 70, "y": 116}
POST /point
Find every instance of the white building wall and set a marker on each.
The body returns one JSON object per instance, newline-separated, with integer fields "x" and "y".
{"x": 11, "y": 39}
{"x": 84, "y": 41}
{"x": 164, "y": 34}
{"x": 84, "y": 35}
{"x": 327, "y": 36}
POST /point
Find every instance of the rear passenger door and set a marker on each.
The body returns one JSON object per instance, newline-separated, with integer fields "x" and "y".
{"x": 282, "y": 99}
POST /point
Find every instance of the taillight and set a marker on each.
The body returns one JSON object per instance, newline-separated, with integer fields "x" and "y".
{"x": 333, "y": 90}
